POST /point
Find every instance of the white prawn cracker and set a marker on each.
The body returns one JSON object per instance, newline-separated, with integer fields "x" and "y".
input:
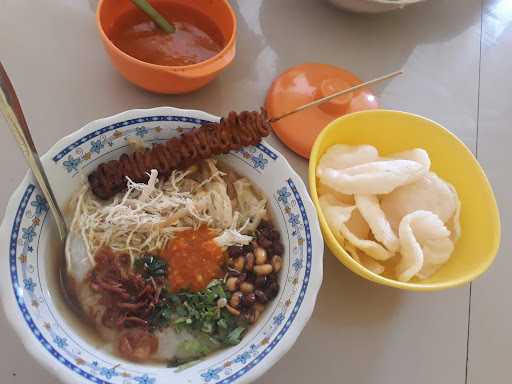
{"x": 358, "y": 225}
{"x": 369, "y": 207}
{"x": 373, "y": 178}
{"x": 453, "y": 224}
{"x": 379, "y": 207}
{"x": 424, "y": 243}
{"x": 417, "y": 154}
{"x": 337, "y": 216}
{"x": 429, "y": 193}
{"x": 323, "y": 189}
{"x": 365, "y": 260}
{"x": 341, "y": 156}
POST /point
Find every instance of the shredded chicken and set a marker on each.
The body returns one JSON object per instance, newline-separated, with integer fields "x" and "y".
{"x": 232, "y": 235}
{"x": 147, "y": 215}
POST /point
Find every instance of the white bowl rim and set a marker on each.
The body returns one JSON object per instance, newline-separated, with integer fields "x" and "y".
{"x": 391, "y": 3}
{"x": 49, "y": 362}
{"x": 395, "y": 2}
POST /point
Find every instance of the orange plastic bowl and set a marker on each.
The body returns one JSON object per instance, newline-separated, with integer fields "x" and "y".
{"x": 170, "y": 79}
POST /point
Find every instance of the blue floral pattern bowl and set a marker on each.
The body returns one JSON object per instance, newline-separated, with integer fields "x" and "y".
{"x": 30, "y": 242}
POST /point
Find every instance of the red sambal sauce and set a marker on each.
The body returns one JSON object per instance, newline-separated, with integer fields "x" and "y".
{"x": 194, "y": 260}
{"x": 197, "y": 38}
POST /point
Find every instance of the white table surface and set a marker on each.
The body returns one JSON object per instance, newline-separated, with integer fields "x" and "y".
{"x": 457, "y": 58}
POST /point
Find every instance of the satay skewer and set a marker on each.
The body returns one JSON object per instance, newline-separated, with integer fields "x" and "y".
{"x": 336, "y": 94}
{"x": 230, "y": 133}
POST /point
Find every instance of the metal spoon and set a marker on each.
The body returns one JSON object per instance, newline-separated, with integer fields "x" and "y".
{"x": 11, "y": 109}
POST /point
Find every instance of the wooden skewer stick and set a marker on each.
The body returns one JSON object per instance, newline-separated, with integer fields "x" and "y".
{"x": 334, "y": 95}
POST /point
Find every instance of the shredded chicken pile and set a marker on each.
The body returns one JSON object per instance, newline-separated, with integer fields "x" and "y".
{"x": 146, "y": 216}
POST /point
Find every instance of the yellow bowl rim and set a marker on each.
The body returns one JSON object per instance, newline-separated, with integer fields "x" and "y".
{"x": 357, "y": 268}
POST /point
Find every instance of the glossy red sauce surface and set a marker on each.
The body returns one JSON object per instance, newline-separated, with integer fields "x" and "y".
{"x": 196, "y": 38}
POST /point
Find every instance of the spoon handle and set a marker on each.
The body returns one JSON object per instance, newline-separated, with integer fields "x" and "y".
{"x": 11, "y": 109}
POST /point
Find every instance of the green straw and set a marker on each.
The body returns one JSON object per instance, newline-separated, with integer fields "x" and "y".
{"x": 144, "y": 6}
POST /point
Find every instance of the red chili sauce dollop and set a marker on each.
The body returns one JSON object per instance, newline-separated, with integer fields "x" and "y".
{"x": 194, "y": 260}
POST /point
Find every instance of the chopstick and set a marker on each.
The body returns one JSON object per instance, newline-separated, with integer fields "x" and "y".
{"x": 337, "y": 94}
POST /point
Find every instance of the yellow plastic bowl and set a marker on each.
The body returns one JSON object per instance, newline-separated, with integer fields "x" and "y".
{"x": 393, "y": 131}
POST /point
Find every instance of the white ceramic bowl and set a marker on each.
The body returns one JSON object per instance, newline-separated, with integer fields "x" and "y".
{"x": 29, "y": 235}
{"x": 372, "y": 6}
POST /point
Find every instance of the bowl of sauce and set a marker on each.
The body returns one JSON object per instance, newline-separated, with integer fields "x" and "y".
{"x": 202, "y": 45}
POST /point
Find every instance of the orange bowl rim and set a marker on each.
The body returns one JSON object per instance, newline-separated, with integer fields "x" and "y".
{"x": 212, "y": 59}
